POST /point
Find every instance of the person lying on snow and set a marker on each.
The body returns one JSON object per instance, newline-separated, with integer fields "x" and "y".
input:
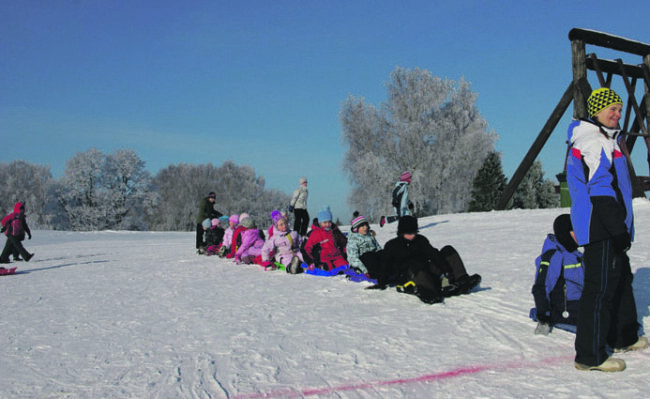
{"x": 559, "y": 278}
{"x": 411, "y": 262}
{"x": 326, "y": 244}
{"x": 283, "y": 247}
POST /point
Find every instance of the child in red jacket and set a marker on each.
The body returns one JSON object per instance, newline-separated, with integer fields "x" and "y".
{"x": 326, "y": 244}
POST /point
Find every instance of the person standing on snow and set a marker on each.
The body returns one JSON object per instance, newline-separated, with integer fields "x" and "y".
{"x": 206, "y": 211}
{"x": 298, "y": 206}
{"x": 400, "y": 200}
{"x": 603, "y": 222}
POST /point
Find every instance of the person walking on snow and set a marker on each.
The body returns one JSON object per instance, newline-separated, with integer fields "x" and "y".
{"x": 15, "y": 227}
{"x": 400, "y": 200}
{"x": 603, "y": 222}
{"x": 298, "y": 206}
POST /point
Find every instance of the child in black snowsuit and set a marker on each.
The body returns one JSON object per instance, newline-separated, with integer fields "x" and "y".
{"x": 410, "y": 260}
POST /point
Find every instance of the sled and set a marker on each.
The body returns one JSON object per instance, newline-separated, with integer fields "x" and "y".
{"x": 5, "y": 272}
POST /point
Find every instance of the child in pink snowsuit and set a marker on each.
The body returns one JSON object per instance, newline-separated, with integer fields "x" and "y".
{"x": 251, "y": 242}
{"x": 284, "y": 245}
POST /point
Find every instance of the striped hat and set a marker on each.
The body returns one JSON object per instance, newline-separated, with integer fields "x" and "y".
{"x": 601, "y": 99}
{"x": 405, "y": 176}
{"x": 358, "y": 222}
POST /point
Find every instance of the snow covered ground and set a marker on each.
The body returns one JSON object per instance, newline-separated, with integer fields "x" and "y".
{"x": 140, "y": 315}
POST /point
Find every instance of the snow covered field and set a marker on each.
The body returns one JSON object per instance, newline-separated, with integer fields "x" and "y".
{"x": 140, "y": 315}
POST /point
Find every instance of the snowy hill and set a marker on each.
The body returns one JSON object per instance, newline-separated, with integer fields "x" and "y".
{"x": 140, "y": 315}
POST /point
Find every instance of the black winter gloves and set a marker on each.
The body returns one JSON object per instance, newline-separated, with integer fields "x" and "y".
{"x": 622, "y": 242}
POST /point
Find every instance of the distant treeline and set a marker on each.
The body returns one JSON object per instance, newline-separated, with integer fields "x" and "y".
{"x": 115, "y": 192}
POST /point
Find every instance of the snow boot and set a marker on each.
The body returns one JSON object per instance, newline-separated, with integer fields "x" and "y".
{"x": 222, "y": 251}
{"x": 542, "y": 328}
{"x": 295, "y": 266}
{"x": 610, "y": 365}
{"x": 639, "y": 345}
{"x": 468, "y": 283}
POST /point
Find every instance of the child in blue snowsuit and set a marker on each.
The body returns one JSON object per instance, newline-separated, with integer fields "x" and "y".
{"x": 559, "y": 278}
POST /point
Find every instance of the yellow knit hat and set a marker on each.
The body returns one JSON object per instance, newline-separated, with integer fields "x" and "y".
{"x": 601, "y": 99}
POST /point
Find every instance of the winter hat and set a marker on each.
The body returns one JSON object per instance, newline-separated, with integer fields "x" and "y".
{"x": 207, "y": 224}
{"x": 405, "y": 176}
{"x": 303, "y": 179}
{"x": 325, "y": 215}
{"x": 247, "y": 222}
{"x": 216, "y": 222}
{"x": 601, "y": 99}
{"x": 212, "y": 195}
{"x": 275, "y": 216}
{"x": 407, "y": 225}
{"x": 234, "y": 218}
{"x": 223, "y": 221}
{"x": 358, "y": 222}
{"x": 562, "y": 228}
{"x": 242, "y": 216}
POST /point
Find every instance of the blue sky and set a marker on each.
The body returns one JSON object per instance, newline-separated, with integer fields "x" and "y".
{"x": 262, "y": 82}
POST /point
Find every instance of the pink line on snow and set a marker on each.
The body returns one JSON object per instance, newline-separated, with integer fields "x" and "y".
{"x": 293, "y": 393}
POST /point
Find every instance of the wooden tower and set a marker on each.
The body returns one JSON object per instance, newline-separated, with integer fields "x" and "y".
{"x": 636, "y": 120}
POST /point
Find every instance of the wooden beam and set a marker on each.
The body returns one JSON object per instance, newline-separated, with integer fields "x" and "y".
{"x": 610, "y": 66}
{"x": 578, "y": 62}
{"x": 607, "y": 40}
{"x": 536, "y": 148}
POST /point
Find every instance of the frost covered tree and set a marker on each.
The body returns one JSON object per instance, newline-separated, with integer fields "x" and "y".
{"x": 238, "y": 189}
{"x": 534, "y": 191}
{"x": 99, "y": 192}
{"x": 31, "y": 185}
{"x": 428, "y": 126}
{"x": 488, "y": 185}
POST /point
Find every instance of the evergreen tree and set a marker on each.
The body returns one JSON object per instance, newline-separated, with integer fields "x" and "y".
{"x": 488, "y": 185}
{"x": 534, "y": 191}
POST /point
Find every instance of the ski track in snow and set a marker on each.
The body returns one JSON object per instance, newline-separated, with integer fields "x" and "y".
{"x": 126, "y": 315}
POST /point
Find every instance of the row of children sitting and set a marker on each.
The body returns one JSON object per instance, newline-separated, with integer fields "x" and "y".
{"x": 408, "y": 261}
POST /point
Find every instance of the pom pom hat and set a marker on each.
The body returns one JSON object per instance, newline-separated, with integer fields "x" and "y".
{"x": 601, "y": 99}
{"x": 358, "y": 222}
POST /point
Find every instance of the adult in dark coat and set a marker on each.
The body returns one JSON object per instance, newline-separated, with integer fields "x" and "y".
{"x": 206, "y": 211}
{"x": 410, "y": 257}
